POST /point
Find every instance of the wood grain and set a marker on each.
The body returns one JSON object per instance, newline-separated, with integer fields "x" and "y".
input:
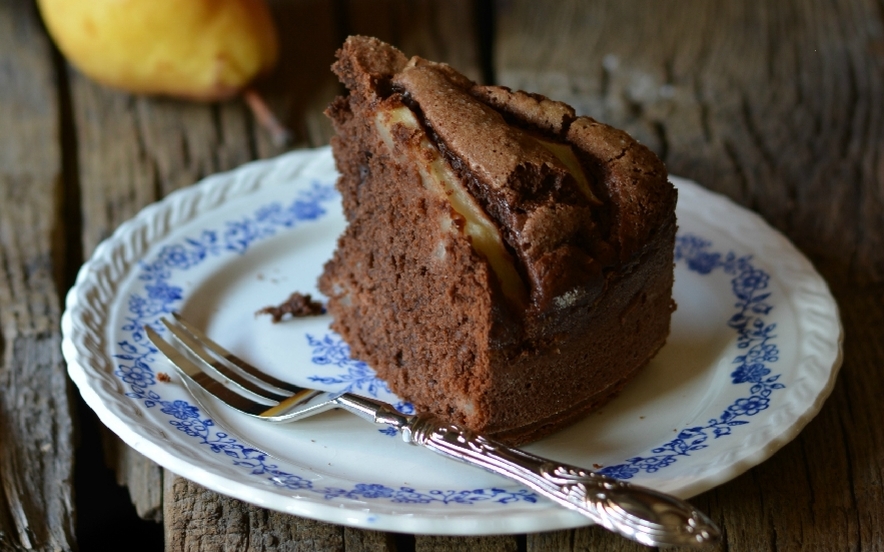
{"x": 36, "y": 432}
{"x": 422, "y": 28}
{"x": 302, "y": 85}
{"x": 198, "y": 519}
{"x": 204, "y": 520}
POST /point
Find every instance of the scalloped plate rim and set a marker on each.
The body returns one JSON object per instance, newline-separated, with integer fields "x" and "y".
{"x": 427, "y": 522}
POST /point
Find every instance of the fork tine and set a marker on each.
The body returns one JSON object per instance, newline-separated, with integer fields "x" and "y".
{"x": 193, "y": 375}
{"x": 282, "y": 387}
{"x": 218, "y": 366}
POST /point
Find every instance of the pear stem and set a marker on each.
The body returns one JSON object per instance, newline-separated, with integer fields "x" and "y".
{"x": 279, "y": 134}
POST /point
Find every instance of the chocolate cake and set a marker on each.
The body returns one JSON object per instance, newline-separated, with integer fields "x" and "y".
{"x": 507, "y": 265}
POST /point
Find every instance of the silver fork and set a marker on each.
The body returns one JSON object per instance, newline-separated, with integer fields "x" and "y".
{"x": 638, "y": 513}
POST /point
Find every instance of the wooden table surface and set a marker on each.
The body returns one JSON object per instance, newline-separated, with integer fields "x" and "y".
{"x": 778, "y": 105}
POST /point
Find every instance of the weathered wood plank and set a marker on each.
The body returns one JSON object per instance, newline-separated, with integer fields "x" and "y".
{"x": 36, "y": 453}
{"x": 302, "y": 85}
{"x": 199, "y": 519}
{"x": 135, "y": 150}
{"x": 358, "y": 540}
{"x": 777, "y": 106}
{"x": 446, "y": 32}
{"x": 579, "y": 540}
{"x": 502, "y": 543}
{"x": 138, "y": 474}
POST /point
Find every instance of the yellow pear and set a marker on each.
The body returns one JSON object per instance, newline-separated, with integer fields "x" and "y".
{"x": 198, "y": 49}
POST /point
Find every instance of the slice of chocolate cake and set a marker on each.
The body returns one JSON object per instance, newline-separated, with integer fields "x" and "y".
{"x": 507, "y": 265}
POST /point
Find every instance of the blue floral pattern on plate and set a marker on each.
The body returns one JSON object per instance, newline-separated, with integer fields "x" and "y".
{"x": 135, "y": 356}
{"x": 755, "y": 338}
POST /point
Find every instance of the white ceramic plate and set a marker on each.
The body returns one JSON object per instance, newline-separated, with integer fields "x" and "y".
{"x": 754, "y": 350}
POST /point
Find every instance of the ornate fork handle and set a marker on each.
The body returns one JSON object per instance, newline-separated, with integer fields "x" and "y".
{"x": 638, "y": 513}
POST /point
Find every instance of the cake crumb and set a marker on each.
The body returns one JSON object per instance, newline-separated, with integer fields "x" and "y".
{"x": 597, "y": 466}
{"x": 163, "y": 377}
{"x": 298, "y": 305}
